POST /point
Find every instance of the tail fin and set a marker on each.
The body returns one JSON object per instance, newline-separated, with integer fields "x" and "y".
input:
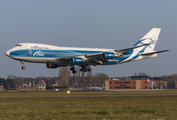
{"x": 150, "y": 37}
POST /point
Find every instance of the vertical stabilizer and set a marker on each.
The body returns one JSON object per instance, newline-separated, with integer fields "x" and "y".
{"x": 150, "y": 37}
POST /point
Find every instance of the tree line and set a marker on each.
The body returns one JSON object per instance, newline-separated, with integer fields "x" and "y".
{"x": 78, "y": 80}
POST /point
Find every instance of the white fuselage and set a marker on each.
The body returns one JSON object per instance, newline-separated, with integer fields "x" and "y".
{"x": 42, "y": 53}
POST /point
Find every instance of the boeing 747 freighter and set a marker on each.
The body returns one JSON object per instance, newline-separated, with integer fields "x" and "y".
{"x": 54, "y": 56}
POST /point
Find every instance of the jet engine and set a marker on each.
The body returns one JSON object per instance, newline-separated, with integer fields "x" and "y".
{"x": 51, "y": 65}
{"x": 76, "y": 61}
{"x": 110, "y": 55}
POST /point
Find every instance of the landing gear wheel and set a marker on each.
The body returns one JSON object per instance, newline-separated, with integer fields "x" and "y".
{"x": 89, "y": 69}
{"x": 23, "y": 67}
{"x": 85, "y": 69}
{"x": 73, "y": 69}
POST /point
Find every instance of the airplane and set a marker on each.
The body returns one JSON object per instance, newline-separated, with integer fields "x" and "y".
{"x": 55, "y": 56}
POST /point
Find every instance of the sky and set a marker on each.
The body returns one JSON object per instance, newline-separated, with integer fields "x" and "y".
{"x": 114, "y": 24}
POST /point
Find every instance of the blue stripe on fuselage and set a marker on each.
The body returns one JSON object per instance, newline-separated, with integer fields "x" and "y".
{"x": 66, "y": 53}
{"x": 51, "y": 53}
{"x": 119, "y": 59}
{"x": 137, "y": 55}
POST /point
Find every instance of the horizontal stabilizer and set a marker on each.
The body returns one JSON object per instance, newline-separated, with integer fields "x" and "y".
{"x": 151, "y": 53}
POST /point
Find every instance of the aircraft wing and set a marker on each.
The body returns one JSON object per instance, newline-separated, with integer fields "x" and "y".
{"x": 98, "y": 59}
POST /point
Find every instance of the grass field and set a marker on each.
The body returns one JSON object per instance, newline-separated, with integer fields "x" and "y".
{"x": 120, "y": 108}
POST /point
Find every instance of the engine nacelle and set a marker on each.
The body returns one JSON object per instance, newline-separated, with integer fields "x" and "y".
{"x": 51, "y": 65}
{"x": 76, "y": 60}
{"x": 109, "y": 55}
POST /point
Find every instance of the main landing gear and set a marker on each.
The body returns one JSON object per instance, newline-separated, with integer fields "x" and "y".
{"x": 73, "y": 69}
{"x": 23, "y": 65}
{"x": 83, "y": 69}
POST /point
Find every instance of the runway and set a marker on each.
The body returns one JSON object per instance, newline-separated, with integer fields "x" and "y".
{"x": 87, "y": 96}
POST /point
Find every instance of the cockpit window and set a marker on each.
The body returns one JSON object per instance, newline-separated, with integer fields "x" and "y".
{"x": 18, "y": 45}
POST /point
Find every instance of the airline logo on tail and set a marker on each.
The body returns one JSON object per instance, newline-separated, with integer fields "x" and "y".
{"x": 150, "y": 37}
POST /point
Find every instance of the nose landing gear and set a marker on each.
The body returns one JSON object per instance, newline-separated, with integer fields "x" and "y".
{"x": 23, "y": 66}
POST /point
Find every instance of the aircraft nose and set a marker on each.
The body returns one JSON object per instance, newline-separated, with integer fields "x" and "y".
{"x": 8, "y": 53}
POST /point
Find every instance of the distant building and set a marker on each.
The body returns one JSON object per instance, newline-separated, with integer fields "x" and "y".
{"x": 176, "y": 84}
{"x": 41, "y": 84}
{"x": 157, "y": 82}
{"x": 25, "y": 86}
{"x": 135, "y": 82}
